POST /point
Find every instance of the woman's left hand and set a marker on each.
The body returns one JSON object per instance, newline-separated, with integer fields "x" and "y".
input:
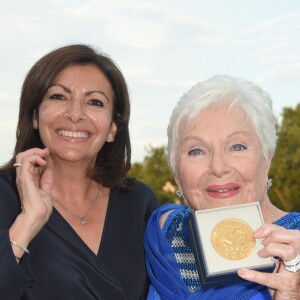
{"x": 282, "y": 243}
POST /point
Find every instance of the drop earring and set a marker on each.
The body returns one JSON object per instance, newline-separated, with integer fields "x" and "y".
{"x": 180, "y": 194}
{"x": 269, "y": 184}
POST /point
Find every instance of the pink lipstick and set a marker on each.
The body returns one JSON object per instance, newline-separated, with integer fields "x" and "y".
{"x": 223, "y": 191}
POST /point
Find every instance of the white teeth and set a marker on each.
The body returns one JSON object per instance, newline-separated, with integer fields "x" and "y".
{"x": 221, "y": 191}
{"x": 73, "y": 134}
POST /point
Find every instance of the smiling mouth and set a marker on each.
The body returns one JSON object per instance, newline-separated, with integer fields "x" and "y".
{"x": 73, "y": 134}
{"x": 223, "y": 190}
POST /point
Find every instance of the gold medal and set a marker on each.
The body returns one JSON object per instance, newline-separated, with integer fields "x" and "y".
{"x": 233, "y": 239}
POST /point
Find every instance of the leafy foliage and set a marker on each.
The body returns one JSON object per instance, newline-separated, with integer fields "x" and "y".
{"x": 156, "y": 173}
{"x": 285, "y": 168}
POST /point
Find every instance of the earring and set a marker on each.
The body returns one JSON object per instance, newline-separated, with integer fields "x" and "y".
{"x": 36, "y": 125}
{"x": 180, "y": 194}
{"x": 108, "y": 139}
{"x": 269, "y": 184}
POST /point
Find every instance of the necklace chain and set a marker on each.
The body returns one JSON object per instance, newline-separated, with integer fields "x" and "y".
{"x": 84, "y": 217}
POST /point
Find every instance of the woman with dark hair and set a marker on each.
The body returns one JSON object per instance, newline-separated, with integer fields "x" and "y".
{"x": 71, "y": 221}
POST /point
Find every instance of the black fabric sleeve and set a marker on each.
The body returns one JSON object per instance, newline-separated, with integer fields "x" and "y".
{"x": 14, "y": 277}
{"x": 13, "y": 280}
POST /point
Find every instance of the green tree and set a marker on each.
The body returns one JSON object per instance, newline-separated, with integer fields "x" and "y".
{"x": 285, "y": 168}
{"x": 154, "y": 171}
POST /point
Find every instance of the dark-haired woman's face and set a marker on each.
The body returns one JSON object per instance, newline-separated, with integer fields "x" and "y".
{"x": 75, "y": 116}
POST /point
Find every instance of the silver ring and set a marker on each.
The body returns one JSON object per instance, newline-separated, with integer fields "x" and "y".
{"x": 292, "y": 265}
{"x": 16, "y": 165}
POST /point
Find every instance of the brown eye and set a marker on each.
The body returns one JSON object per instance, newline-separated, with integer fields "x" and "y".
{"x": 57, "y": 97}
{"x": 96, "y": 102}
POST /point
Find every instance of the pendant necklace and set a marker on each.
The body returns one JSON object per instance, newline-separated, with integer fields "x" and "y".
{"x": 83, "y": 219}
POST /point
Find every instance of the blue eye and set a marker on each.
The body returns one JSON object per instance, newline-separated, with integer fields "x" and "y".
{"x": 196, "y": 151}
{"x": 239, "y": 147}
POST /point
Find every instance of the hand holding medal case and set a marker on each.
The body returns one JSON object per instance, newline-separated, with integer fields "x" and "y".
{"x": 223, "y": 242}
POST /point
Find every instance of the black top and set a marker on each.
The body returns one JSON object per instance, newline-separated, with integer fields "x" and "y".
{"x": 61, "y": 266}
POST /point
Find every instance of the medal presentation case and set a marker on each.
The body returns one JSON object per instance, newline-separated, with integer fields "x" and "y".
{"x": 222, "y": 241}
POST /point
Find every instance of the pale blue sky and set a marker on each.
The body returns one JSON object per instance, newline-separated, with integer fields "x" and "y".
{"x": 162, "y": 47}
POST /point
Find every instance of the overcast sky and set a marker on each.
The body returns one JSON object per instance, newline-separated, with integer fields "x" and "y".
{"x": 163, "y": 48}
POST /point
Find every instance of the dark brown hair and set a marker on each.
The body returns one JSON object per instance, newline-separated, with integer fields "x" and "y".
{"x": 113, "y": 160}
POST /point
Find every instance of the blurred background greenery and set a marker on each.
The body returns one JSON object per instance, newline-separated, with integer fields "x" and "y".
{"x": 285, "y": 168}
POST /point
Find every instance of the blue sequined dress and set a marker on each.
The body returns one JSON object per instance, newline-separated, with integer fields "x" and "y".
{"x": 171, "y": 263}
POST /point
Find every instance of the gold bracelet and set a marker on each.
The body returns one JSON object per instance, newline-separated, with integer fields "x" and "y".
{"x": 20, "y": 246}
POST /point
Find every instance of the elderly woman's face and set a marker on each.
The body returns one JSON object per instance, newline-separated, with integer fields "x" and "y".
{"x": 220, "y": 160}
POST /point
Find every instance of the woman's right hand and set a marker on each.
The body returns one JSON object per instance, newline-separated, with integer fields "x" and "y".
{"x": 34, "y": 182}
{"x": 284, "y": 244}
